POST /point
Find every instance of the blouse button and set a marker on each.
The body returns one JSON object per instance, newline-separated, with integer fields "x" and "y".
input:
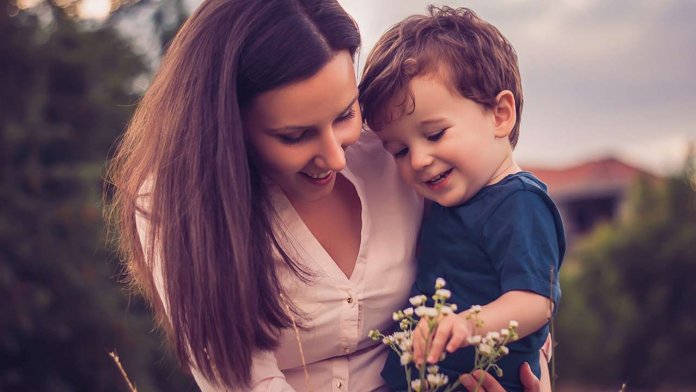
{"x": 350, "y": 300}
{"x": 339, "y": 385}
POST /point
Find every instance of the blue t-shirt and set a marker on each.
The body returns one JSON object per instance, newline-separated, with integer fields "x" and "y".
{"x": 509, "y": 236}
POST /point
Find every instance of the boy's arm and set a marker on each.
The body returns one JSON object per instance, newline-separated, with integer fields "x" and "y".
{"x": 529, "y": 309}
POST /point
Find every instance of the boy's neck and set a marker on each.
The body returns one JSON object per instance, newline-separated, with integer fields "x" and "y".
{"x": 507, "y": 166}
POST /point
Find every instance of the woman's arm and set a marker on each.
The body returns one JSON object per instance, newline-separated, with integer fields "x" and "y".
{"x": 265, "y": 377}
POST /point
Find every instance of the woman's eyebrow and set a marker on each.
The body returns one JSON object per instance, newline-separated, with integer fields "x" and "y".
{"x": 291, "y": 128}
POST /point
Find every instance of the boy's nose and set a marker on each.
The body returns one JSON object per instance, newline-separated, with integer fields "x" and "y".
{"x": 420, "y": 160}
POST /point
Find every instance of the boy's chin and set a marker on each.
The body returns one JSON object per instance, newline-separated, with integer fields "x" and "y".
{"x": 445, "y": 200}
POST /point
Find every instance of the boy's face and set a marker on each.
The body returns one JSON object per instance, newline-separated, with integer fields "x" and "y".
{"x": 450, "y": 146}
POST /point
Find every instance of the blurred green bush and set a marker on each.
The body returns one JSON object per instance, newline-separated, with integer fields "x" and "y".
{"x": 66, "y": 93}
{"x": 627, "y": 312}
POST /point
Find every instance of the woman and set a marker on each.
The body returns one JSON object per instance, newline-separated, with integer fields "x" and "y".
{"x": 240, "y": 213}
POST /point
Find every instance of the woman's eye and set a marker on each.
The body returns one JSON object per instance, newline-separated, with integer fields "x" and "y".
{"x": 400, "y": 153}
{"x": 346, "y": 116}
{"x": 436, "y": 136}
{"x": 292, "y": 138}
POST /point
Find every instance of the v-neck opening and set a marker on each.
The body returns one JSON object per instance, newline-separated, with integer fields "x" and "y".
{"x": 304, "y": 238}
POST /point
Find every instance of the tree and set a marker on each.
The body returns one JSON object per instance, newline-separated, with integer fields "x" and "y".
{"x": 67, "y": 94}
{"x": 627, "y": 312}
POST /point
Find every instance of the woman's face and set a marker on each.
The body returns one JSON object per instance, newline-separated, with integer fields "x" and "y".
{"x": 299, "y": 132}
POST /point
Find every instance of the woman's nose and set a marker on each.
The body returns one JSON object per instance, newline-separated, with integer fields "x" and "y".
{"x": 331, "y": 155}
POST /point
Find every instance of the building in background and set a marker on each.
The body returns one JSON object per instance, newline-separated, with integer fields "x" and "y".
{"x": 590, "y": 192}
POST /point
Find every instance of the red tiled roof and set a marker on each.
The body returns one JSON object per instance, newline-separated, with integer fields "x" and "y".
{"x": 605, "y": 175}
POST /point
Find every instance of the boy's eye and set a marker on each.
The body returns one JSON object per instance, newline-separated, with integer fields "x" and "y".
{"x": 400, "y": 153}
{"x": 436, "y": 136}
{"x": 293, "y": 138}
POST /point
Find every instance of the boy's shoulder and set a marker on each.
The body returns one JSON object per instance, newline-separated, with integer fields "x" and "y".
{"x": 520, "y": 181}
{"x": 492, "y": 195}
{"x": 514, "y": 190}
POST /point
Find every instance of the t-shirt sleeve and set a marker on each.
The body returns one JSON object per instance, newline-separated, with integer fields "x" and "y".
{"x": 521, "y": 239}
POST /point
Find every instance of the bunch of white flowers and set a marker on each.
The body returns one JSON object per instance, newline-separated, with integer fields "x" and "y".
{"x": 488, "y": 348}
{"x": 491, "y": 347}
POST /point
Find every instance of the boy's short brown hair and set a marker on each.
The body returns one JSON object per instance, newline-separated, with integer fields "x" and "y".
{"x": 471, "y": 53}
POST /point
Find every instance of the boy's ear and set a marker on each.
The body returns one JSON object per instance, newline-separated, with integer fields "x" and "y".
{"x": 504, "y": 113}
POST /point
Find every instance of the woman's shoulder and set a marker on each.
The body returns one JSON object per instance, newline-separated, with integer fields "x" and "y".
{"x": 368, "y": 157}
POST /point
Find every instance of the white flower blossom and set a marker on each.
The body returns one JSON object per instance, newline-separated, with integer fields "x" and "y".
{"x": 433, "y": 369}
{"x": 408, "y": 311}
{"x": 440, "y": 283}
{"x": 401, "y": 335}
{"x": 420, "y": 311}
{"x": 444, "y": 293}
{"x": 476, "y": 308}
{"x": 436, "y": 380}
{"x": 406, "y": 359}
{"x": 406, "y": 345}
{"x": 476, "y": 339}
{"x": 416, "y": 385}
{"x": 504, "y": 332}
{"x": 514, "y": 324}
{"x": 485, "y": 348}
{"x": 453, "y": 307}
{"x": 493, "y": 335}
{"x": 446, "y": 310}
{"x": 396, "y": 316}
{"x": 504, "y": 350}
{"x": 431, "y": 312}
{"x": 417, "y": 300}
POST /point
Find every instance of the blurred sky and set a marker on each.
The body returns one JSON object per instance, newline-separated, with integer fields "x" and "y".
{"x": 600, "y": 77}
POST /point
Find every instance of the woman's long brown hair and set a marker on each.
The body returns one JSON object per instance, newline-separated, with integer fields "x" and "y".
{"x": 184, "y": 165}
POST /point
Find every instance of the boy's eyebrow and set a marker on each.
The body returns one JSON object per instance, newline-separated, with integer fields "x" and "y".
{"x": 303, "y": 127}
{"x": 432, "y": 121}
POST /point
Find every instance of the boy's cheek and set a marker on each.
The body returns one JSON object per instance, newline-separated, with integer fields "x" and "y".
{"x": 404, "y": 171}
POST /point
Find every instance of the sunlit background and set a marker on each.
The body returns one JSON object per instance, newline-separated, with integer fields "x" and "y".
{"x": 610, "y": 108}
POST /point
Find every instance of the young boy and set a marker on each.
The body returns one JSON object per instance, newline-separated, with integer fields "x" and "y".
{"x": 443, "y": 93}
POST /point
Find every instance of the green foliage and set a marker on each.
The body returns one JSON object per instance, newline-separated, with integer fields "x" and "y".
{"x": 627, "y": 309}
{"x": 65, "y": 97}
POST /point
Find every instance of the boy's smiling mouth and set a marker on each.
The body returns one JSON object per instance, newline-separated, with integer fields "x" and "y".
{"x": 439, "y": 180}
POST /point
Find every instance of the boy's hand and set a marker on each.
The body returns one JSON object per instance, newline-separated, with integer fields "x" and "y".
{"x": 450, "y": 334}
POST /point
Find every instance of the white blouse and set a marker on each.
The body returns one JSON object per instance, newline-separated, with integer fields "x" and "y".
{"x": 340, "y": 311}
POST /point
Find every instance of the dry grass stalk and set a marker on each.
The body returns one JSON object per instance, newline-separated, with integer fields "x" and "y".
{"x": 114, "y": 356}
{"x": 299, "y": 343}
{"x": 552, "y": 332}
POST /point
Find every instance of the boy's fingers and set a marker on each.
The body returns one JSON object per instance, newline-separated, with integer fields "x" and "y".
{"x": 457, "y": 340}
{"x": 442, "y": 335}
{"x": 419, "y": 338}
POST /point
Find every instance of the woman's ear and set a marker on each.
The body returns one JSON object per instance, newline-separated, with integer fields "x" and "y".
{"x": 504, "y": 114}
